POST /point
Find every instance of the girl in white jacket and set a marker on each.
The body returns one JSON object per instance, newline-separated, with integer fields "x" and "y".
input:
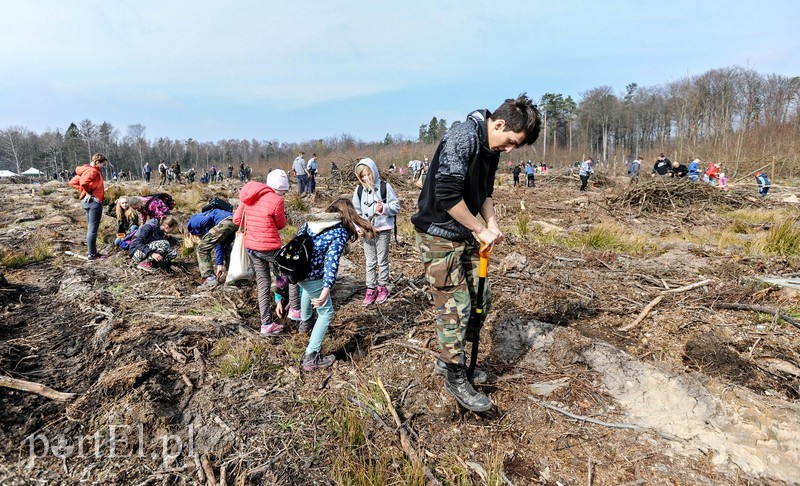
{"x": 376, "y": 201}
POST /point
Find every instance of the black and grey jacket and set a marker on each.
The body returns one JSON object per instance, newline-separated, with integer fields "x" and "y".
{"x": 463, "y": 168}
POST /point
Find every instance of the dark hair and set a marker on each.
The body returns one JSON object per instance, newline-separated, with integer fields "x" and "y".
{"x": 520, "y": 115}
{"x": 351, "y": 219}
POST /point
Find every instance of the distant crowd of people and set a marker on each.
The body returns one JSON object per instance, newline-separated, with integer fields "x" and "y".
{"x": 712, "y": 175}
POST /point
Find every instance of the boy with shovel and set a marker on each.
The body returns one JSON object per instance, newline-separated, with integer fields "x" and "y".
{"x": 449, "y": 236}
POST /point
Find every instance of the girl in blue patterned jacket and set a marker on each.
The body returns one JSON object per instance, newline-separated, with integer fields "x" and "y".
{"x": 331, "y": 231}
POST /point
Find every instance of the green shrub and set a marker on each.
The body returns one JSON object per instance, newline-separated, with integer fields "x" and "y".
{"x": 296, "y": 203}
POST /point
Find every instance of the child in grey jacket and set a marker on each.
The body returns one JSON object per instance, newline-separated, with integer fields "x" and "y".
{"x": 586, "y": 171}
{"x": 376, "y": 201}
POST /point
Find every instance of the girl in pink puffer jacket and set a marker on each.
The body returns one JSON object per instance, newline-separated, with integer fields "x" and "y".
{"x": 261, "y": 214}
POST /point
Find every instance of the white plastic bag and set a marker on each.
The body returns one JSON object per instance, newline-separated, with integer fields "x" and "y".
{"x": 240, "y": 268}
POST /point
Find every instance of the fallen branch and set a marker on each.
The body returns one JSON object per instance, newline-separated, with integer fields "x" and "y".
{"x": 685, "y": 288}
{"x": 408, "y": 346}
{"x": 171, "y": 317}
{"x": 254, "y": 474}
{"x": 658, "y": 299}
{"x": 39, "y": 389}
{"x": 405, "y": 440}
{"x": 211, "y": 478}
{"x": 613, "y": 425}
{"x": 372, "y": 413}
{"x": 759, "y": 308}
{"x": 565, "y": 259}
{"x": 643, "y": 314}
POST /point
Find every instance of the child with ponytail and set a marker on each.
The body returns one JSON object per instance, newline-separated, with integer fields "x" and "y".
{"x": 330, "y": 231}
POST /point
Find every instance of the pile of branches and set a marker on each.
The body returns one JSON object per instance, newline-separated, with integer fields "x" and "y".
{"x": 346, "y": 178}
{"x": 661, "y": 194}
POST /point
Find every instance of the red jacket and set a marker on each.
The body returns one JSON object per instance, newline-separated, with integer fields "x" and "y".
{"x": 89, "y": 181}
{"x": 713, "y": 171}
{"x": 264, "y": 216}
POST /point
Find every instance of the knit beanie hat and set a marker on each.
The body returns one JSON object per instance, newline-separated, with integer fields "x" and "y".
{"x": 278, "y": 180}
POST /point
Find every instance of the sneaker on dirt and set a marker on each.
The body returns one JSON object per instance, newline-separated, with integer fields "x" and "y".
{"x": 294, "y": 314}
{"x": 316, "y": 361}
{"x": 146, "y": 266}
{"x": 271, "y": 329}
{"x": 306, "y": 326}
{"x": 209, "y": 283}
{"x": 383, "y": 294}
{"x": 369, "y": 299}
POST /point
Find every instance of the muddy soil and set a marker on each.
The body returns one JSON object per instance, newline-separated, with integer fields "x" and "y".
{"x": 176, "y": 386}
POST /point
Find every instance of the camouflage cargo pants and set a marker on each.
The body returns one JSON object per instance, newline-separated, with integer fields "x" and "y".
{"x": 451, "y": 268}
{"x": 221, "y": 234}
{"x": 161, "y": 247}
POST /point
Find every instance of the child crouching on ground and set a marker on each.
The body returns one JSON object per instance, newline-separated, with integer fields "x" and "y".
{"x": 330, "y": 231}
{"x": 376, "y": 201}
{"x": 152, "y": 245}
{"x": 217, "y": 232}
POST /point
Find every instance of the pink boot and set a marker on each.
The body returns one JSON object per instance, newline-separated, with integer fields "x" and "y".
{"x": 383, "y": 294}
{"x": 369, "y": 299}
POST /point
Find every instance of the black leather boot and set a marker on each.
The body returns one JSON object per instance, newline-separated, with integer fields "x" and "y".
{"x": 456, "y": 384}
{"x": 479, "y": 377}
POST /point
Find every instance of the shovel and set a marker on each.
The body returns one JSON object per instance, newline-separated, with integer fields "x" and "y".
{"x": 483, "y": 268}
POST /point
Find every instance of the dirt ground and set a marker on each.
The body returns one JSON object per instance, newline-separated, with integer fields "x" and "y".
{"x": 176, "y": 386}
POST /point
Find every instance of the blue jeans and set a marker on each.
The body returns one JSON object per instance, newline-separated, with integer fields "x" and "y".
{"x": 311, "y": 290}
{"x": 311, "y": 184}
{"x": 133, "y": 227}
{"x": 302, "y": 183}
{"x": 94, "y": 212}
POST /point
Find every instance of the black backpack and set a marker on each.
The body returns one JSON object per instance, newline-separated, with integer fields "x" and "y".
{"x": 218, "y": 203}
{"x": 294, "y": 258}
{"x": 382, "y": 190}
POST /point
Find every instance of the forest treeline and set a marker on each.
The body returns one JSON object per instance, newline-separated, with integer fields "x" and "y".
{"x": 731, "y": 115}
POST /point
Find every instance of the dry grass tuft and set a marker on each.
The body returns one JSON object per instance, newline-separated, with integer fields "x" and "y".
{"x": 11, "y": 258}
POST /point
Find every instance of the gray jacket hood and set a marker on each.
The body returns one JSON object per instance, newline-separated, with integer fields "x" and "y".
{"x": 376, "y": 176}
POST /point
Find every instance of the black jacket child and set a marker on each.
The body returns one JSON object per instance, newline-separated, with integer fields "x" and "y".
{"x": 148, "y": 233}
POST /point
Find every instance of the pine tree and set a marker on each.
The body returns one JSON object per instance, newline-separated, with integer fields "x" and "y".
{"x": 73, "y": 144}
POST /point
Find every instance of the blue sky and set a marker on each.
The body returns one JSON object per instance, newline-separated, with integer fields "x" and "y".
{"x": 304, "y": 70}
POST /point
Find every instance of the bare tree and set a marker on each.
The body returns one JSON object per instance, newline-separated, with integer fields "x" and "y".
{"x": 12, "y": 141}
{"x": 88, "y": 133}
{"x": 135, "y": 138}
{"x": 53, "y": 146}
